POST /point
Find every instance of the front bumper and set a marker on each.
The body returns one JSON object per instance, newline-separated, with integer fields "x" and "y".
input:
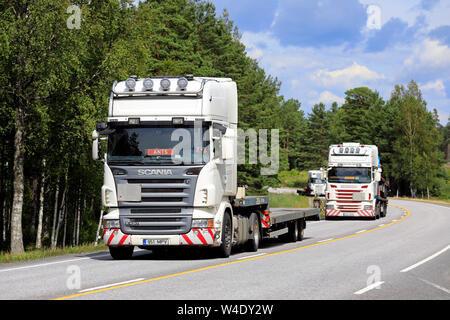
{"x": 358, "y": 213}
{"x": 195, "y": 237}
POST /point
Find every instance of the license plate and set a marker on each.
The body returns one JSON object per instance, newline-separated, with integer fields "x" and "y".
{"x": 346, "y": 214}
{"x": 155, "y": 242}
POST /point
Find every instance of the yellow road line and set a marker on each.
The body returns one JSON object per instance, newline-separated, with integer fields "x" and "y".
{"x": 235, "y": 261}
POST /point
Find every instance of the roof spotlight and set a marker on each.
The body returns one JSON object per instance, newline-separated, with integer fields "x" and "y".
{"x": 148, "y": 84}
{"x": 165, "y": 84}
{"x": 182, "y": 83}
{"x": 130, "y": 83}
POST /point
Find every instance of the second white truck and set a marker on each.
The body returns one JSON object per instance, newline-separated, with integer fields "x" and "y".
{"x": 355, "y": 187}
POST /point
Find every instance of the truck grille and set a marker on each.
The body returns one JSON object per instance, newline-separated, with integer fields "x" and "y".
{"x": 166, "y": 202}
{"x": 158, "y": 224}
{"x": 345, "y": 194}
{"x": 344, "y": 200}
{"x": 350, "y": 206}
{"x": 163, "y": 192}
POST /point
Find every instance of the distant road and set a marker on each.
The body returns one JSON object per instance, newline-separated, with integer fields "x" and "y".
{"x": 403, "y": 256}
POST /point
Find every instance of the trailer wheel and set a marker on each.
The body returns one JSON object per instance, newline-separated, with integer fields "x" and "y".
{"x": 252, "y": 245}
{"x": 293, "y": 233}
{"x": 377, "y": 211}
{"x": 121, "y": 253}
{"x": 301, "y": 229}
{"x": 384, "y": 212}
{"x": 225, "y": 247}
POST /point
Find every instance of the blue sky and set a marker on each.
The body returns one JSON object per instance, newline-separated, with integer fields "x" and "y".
{"x": 321, "y": 48}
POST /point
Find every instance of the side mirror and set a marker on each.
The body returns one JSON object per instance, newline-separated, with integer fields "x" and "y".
{"x": 101, "y": 126}
{"x": 378, "y": 176}
{"x": 95, "y": 145}
{"x": 229, "y": 145}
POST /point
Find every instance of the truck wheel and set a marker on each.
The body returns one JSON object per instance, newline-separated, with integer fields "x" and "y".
{"x": 252, "y": 245}
{"x": 377, "y": 211}
{"x": 301, "y": 230}
{"x": 384, "y": 212}
{"x": 225, "y": 247}
{"x": 292, "y": 235}
{"x": 121, "y": 253}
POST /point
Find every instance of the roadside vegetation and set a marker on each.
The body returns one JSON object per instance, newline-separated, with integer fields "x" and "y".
{"x": 34, "y": 254}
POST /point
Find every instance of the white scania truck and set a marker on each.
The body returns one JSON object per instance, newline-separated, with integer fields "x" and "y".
{"x": 354, "y": 184}
{"x": 170, "y": 172}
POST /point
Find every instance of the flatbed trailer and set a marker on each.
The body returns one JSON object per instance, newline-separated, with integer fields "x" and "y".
{"x": 286, "y": 223}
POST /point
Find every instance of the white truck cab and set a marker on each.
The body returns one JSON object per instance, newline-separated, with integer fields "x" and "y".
{"x": 316, "y": 183}
{"x": 353, "y": 182}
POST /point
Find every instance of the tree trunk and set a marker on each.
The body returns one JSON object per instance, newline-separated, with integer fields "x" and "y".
{"x": 65, "y": 227}
{"x": 34, "y": 203}
{"x": 55, "y": 212}
{"x": 61, "y": 218}
{"x": 16, "y": 217}
{"x": 41, "y": 210}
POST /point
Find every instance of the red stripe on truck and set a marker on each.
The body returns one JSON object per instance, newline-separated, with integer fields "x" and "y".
{"x": 186, "y": 238}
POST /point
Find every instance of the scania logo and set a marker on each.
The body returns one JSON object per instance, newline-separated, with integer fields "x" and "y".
{"x": 155, "y": 172}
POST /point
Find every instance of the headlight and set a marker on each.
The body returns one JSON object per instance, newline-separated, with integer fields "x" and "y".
{"x": 107, "y": 196}
{"x": 111, "y": 224}
{"x": 204, "y": 196}
{"x": 367, "y": 207}
{"x": 202, "y": 223}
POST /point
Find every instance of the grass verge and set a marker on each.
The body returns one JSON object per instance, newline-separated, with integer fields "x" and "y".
{"x": 288, "y": 201}
{"x": 437, "y": 201}
{"x": 6, "y": 257}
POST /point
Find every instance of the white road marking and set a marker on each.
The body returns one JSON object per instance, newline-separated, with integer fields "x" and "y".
{"x": 426, "y": 260}
{"x": 51, "y": 263}
{"x": 370, "y": 287}
{"x": 360, "y": 231}
{"x": 111, "y": 285}
{"x": 325, "y": 240}
{"x": 255, "y": 255}
{"x": 435, "y": 285}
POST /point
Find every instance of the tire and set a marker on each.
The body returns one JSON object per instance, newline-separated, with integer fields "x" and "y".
{"x": 224, "y": 250}
{"x": 378, "y": 211}
{"x": 293, "y": 233}
{"x": 384, "y": 213}
{"x": 252, "y": 245}
{"x": 301, "y": 230}
{"x": 121, "y": 253}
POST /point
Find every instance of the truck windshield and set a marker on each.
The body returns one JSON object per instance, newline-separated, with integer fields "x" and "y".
{"x": 158, "y": 146}
{"x": 349, "y": 175}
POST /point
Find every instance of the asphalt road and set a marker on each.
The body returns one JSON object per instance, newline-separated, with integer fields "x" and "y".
{"x": 403, "y": 256}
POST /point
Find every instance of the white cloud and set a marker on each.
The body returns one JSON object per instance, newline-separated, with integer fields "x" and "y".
{"x": 354, "y": 75}
{"x": 430, "y": 54}
{"x": 328, "y": 97}
{"x": 436, "y": 87}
